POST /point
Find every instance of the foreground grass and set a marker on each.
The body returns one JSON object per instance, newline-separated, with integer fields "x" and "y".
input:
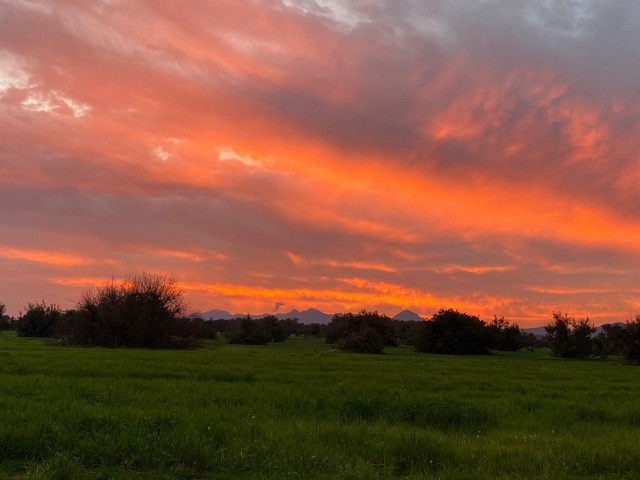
{"x": 302, "y": 410}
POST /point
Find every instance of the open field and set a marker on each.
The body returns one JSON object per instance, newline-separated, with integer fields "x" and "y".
{"x": 302, "y": 410}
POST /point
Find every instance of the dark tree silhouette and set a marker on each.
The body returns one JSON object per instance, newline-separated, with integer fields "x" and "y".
{"x": 353, "y": 332}
{"x": 504, "y": 335}
{"x": 248, "y": 331}
{"x": 142, "y": 311}
{"x": 631, "y": 346}
{"x": 452, "y": 332}
{"x": 6, "y": 322}
{"x": 39, "y": 320}
{"x": 570, "y": 338}
{"x": 365, "y": 340}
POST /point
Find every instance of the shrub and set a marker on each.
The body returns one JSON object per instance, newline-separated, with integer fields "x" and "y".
{"x": 612, "y": 339}
{"x": 366, "y": 340}
{"x": 39, "y": 320}
{"x": 631, "y": 347}
{"x": 452, "y": 332}
{"x": 342, "y": 327}
{"x": 570, "y": 338}
{"x": 6, "y": 322}
{"x": 404, "y": 330}
{"x": 248, "y": 332}
{"x": 505, "y": 336}
{"x": 274, "y": 328}
{"x": 140, "y": 312}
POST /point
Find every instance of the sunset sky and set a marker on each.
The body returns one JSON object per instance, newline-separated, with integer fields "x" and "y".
{"x": 338, "y": 154}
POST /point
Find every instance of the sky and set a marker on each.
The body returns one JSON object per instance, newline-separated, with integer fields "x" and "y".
{"x": 338, "y": 154}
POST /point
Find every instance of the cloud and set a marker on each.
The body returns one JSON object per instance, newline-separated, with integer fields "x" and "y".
{"x": 42, "y": 256}
{"x": 478, "y": 154}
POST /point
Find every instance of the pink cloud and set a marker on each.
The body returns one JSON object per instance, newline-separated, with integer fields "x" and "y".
{"x": 438, "y": 154}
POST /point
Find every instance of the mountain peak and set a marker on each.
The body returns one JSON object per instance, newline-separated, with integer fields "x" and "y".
{"x": 408, "y": 315}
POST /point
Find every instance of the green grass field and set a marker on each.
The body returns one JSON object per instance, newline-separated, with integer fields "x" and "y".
{"x": 302, "y": 410}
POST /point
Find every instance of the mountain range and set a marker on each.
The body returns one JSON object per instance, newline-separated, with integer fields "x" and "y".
{"x": 311, "y": 315}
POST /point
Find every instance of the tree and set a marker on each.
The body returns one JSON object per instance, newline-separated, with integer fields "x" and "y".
{"x": 504, "y": 335}
{"x": 582, "y": 331}
{"x": 452, "y": 332}
{"x": 139, "y": 312}
{"x": 248, "y": 331}
{"x": 570, "y": 338}
{"x": 631, "y": 347}
{"x": 6, "y": 322}
{"x": 274, "y": 328}
{"x": 365, "y": 340}
{"x": 612, "y": 339}
{"x": 39, "y": 320}
{"x": 342, "y": 327}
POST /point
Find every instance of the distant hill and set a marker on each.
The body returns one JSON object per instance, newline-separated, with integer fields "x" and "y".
{"x": 311, "y": 315}
{"x": 408, "y": 315}
{"x": 215, "y": 315}
{"x": 537, "y": 331}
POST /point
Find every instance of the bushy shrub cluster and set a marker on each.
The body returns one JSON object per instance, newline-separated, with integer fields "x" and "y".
{"x": 570, "y": 338}
{"x": 6, "y": 322}
{"x": 142, "y": 311}
{"x": 365, "y": 340}
{"x": 631, "y": 342}
{"x": 506, "y": 336}
{"x": 619, "y": 339}
{"x": 249, "y": 331}
{"x": 452, "y": 332}
{"x": 364, "y": 332}
{"x": 39, "y": 320}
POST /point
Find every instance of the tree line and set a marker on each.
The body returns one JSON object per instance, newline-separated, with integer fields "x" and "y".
{"x": 144, "y": 311}
{"x": 148, "y": 311}
{"x": 572, "y": 338}
{"x": 447, "y": 332}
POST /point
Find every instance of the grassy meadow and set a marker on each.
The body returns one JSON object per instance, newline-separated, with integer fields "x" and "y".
{"x": 302, "y": 410}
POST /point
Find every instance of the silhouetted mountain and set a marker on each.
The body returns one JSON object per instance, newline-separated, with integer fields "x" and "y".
{"x": 311, "y": 315}
{"x": 215, "y": 315}
{"x": 308, "y": 316}
{"x": 408, "y": 315}
{"x": 537, "y": 331}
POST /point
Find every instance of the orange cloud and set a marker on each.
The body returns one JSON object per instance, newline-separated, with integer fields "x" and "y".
{"x": 231, "y": 141}
{"x": 56, "y": 259}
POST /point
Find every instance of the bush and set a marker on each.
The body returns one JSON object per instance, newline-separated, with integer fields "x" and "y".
{"x": 140, "y": 312}
{"x": 452, "y": 332}
{"x": 366, "y": 340}
{"x": 631, "y": 347}
{"x": 275, "y": 329}
{"x": 612, "y": 339}
{"x": 342, "y": 327}
{"x": 505, "y": 336}
{"x": 404, "y": 330}
{"x": 39, "y": 320}
{"x": 570, "y": 338}
{"x": 248, "y": 332}
{"x": 6, "y": 322}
